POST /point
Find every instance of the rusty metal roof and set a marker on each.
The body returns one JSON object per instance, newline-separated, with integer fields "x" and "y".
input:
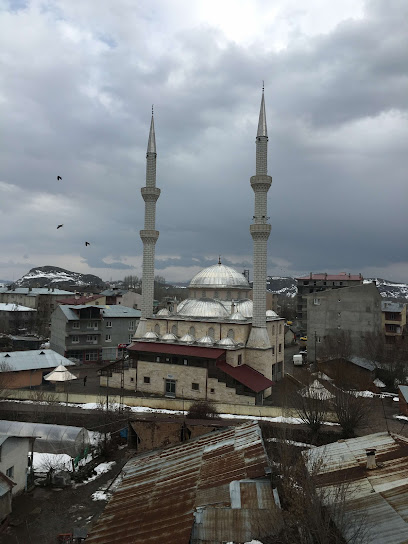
{"x": 162, "y": 489}
{"x": 379, "y": 496}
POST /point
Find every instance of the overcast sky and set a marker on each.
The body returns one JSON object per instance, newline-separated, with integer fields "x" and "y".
{"x": 77, "y": 81}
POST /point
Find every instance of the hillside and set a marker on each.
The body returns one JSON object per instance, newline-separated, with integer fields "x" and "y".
{"x": 44, "y": 276}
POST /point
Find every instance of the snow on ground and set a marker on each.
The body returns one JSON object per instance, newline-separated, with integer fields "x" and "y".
{"x": 105, "y": 493}
{"x": 100, "y": 469}
{"x": 402, "y": 418}
{"x": 291, "y": 442}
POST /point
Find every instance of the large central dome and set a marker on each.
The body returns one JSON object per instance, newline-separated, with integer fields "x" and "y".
{"x": 219, "y": 275}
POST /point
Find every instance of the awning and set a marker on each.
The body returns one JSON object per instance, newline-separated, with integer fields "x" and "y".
{"x": 246, "y": 375}
{"x": 177, "y": 349}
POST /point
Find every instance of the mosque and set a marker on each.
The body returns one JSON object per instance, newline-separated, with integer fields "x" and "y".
{"x": 217, "y": 344}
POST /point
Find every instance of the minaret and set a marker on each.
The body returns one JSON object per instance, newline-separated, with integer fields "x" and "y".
{"x": 149, "y": 234}
{"x": 260, "y": 230}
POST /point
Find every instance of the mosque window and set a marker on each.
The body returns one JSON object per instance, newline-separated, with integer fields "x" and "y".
{"x": 273, "y": 350}
{"x": 195, "y": 386}
{"x": 239, "y": 360}
{"x": 211, "y": 332}
{"x": 273, "y": 329}
{"x": 191, "y": 331}
{"x": 157, "y": 328}
{"x": 174, "y": 329}
{"x": 204, "y": 294}
{"x": 231, "y": 334}
{"x": 195, "y": 294}
{"x": 228, "y": 295}
{"x": 280, "y": 328}
{"x": 216, "y": 294}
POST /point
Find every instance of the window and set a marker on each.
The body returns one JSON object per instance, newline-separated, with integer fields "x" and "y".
{"x": 174, "y": 329}
{"x": 108, "y": 324}
{"x": 108, "y": 338}
{"x": 157, "y": 359}
{"x": 239, "y": 360}
{"x": 131, "y": 325}
{"x": 185, "y": 362}
{"x": 92, "y": 325}
{"x": 132, "y": 379}
{"x": 280, "y": 348}
{"x": 319, "y": 339}
{"x": 216, "y": 294}
{"x": 212, "y": 390}
{"x": 273, "y": 350}
{"x": 91, "y": 356}
{"x": 10, "y": 472}
{"x": 146, "y": 379}
{"x": 280, "y": 328}
{"x": 130, "y": 338}
{"x": 316, "y": 301}
{"x": 231, "y": 334}
{"x": 92, "y": 339}
{"x": 204, "y": 294}
{"x": 341, "y": 283}
{"x": 170, "y": 388}
{"x": 157, "y": 328}
{"x": 75, "y": 339}
{"x": 273, "y": 329}
{"x": 75, "y": 325}
{"x": 191, "y": 331}
{"x": 211, "y": 332}
{"x": 195, "y": 386}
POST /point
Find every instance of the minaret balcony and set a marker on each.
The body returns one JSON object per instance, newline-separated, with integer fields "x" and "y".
{"x": 150, "y": 194}
{"x": 261, "y": 183}
{"x": 260, "y": 231}
{"x": 149, "y": 236}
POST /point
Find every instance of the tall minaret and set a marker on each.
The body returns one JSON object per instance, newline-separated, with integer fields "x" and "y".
{"x": 149, "y": 234}
{"x": 260, "y": 230}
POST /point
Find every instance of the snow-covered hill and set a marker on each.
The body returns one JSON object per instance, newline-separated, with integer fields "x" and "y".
{"x": 281, "y": 285}
{"x": 390, "y": 289}
{"x": 44, "y": 276}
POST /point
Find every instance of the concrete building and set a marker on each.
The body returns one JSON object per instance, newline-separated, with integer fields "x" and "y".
{"x": 348, "y": 315}
{"x": 42, "y": 299}
{"x": 394, "y": 321}
{"x": 15, "y": 452}
{"x": 77, "y": 300}
{"x": 26, "y": 368}
{"x": 314, "y": 283}
{"x": 124, "y": 297}
{"x": 15, "y": 318}
{"x": 92, "y": 333}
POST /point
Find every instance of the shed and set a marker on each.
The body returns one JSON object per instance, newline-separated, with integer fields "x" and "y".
{"x": 50, "y": 438}
{"x": 403, "y": 399}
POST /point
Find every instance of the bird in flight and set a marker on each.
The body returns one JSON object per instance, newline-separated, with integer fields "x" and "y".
{"x": 87, "y": 244}
{"x": 59, "y": 226}
{"x": 58, "y": 178}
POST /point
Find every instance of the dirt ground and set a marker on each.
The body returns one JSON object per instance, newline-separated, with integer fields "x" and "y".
{"x": 42, "y": 514}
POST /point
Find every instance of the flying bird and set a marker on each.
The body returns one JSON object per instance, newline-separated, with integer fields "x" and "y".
{"x": 59, "y": 226}
{"x": 58, "y": 178}
{"x": 87, "y": 244}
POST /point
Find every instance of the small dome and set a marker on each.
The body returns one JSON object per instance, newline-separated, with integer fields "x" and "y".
{"x": 151, "y": 336}
{"x": 226, "y": 342}
{"x": 202, "y": 307}
{"x": 219, "y": 275}
{"x": 187, "y": 339}
{"x": 237, "y": 316}
{"x": 207, "y": 340}
{"x": 271, "y": 313}
{"x": 163, "y": 311}
{"x": 245, "y": 307}
{"x": 169, "y": 337}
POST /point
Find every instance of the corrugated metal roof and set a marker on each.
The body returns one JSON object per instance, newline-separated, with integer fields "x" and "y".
{"x": 177, "y": 349}
{"x": 160, "y": 491}
{"x": 116, "y": 310}
{"x": 35, "y": 291}
{"x": 33, "y": 359}
{"x": 379, "y": 496}
{"x": 13, "y": 307}
{"x": 247, "y": 376}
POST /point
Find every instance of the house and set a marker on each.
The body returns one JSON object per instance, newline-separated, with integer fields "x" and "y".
{"x": 403, "y": 399}
{"x": 42, "y": 299}
{"x": 14, "y": 318}
{"x": 15, "y": 452}
{"x": 6, "y": 490}
{"x": 214, "y": 488}
{"x": 290, "y": 336}
{"x": 339, "y": 320}
{"x": 77, "y": 300}
{"x": 354, "y": 372}
{"x": 363, "y": 482}
{"x": 92, "y": 332}
{"x": 317, "y": 283}
{"x": 124, "y": 297}
{"x": 26, "y": 368}
{"x": 394, "y": 321}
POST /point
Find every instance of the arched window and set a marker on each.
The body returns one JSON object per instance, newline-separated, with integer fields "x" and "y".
{"x": 231, "y": 334}
{"x": 204, "y": 294}
{"x": 216, "y": 294}
{"x": 211, "y": 332}
{"x": 191, "y": 331}
{"x": 157, "y": 328}
{"x": 174, "y": 329}
{"x": 273, "y": 329}
{"x": 280, "y": 328}
{"x": 228, "y": 295}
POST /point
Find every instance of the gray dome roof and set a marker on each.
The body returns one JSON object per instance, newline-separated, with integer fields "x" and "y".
{"x": 201, "y": 308}
{"x": 271, "y": 313}
{"x": 237, "y": 316}
{"x": 151, "y": 336}
{"x": 163, "y": 311}
{"x": 187, "y": 339}
{"x": 169, "y": 337}
{"x": 206, "y": 340}
{"x": 245, "y": 307}
{"x": 226, "y": 342}
{"x": 219, "y": 275}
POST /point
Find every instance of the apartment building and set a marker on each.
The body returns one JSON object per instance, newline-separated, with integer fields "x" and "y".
{"x": 92, "y": 332}
{"x": 394, "y": 321}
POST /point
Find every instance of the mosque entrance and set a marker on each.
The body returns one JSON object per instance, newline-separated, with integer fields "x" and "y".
{"x": 170, "y": 390}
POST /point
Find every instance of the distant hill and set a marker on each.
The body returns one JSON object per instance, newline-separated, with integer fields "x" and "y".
{"x": 44, "y": 276}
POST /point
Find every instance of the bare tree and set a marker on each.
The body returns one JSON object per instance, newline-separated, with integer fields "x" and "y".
{"x": 351, "y": 411}
{"x": 311, "y": 408}
{"x": 336, "y": 345}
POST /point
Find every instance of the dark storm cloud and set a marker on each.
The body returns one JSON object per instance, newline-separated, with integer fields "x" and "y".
{"x": 337, "y": 119}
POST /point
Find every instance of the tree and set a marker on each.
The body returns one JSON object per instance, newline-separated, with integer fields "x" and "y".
{"x": 202, "y": 409}
{"x": 311, "y": 408}
{"x": 336, "y": 345}
{"x": 132, "y": 282}
{"x": 351, "y": 410}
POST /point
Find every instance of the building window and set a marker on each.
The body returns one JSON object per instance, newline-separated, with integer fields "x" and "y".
{"x": 280, "y": 348}
{"x": 131, "y": 325}
{"x": 319, "y": 339}
{"x": 211, "y": 332}
{"x": 216, "y": 294}
{"x": 273, "y": 329}
{"x": 191, "y": 331}
{"x": 109, "y": 324}
{"x": 231, "y": 334}
{"x": 146, "y": 379}
{"x": 130, "y": 338}
{"x": 174, "y": 329}
{"x": 75, "y": 325}
{"x": 195, "y": 386}
{"x": 157, "y": 359}
{"x": 157, "y": 328}
{"x": 92, "y": 325}
{"x": 185, "y": 362}
{"x": 239, "y": 360}
{"x": 273, "y": 350}
{"x": 10, "y": 472}
{"x": 204, "y": 294}
{"x": 212, "y": 390}
{"x": 170, "y": 388}
{"x": 316, "y": 301}
{"x": 75, "y": 339}
{"x": 91, "y": 356}
{"x": 132, "y": 379}
{"x": 92, "y": 339}
{"x": 280, "y": 328}
{"x": 108, "y": 338}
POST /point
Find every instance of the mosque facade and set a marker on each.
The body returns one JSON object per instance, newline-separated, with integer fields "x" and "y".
{"x": 217, "y": 344}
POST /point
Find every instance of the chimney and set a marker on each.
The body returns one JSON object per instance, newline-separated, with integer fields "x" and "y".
{"x": 371, "y": 464}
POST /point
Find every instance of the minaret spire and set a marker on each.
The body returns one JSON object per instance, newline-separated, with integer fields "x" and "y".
{"x": 260, "y": 230}
{"x": 149, "y": 234}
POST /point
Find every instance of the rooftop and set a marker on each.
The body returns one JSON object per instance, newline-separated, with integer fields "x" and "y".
{"x": 396, "y": 307}
{"x": 76, "y": 300}
{"x": 33, "y": 359}
{"x": 32, "y": 291}
{"x": 205, "y": 485}
{"x": 13, "y": 307}
{"x": 342, "y": 276}
{"x": 116, "y": 310}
